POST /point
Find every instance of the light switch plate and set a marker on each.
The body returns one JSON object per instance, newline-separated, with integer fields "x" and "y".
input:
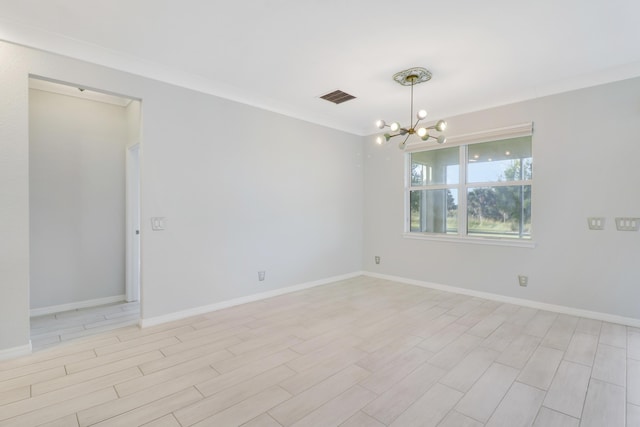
{"x": 157, "y": 223}
{"x": 627, "y": 224}
{"x": 595, "y": 223}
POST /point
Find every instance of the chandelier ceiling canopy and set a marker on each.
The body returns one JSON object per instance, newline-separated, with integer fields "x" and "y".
{"x": 412, "y": 77}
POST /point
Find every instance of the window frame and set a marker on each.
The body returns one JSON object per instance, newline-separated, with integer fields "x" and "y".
{"x": 463, "y": 142}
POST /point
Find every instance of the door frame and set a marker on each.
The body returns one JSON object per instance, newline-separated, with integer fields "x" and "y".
{"x": 132, "y": 279}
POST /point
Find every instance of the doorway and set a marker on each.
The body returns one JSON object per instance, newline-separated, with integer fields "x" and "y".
{"x": 84, "y": 203}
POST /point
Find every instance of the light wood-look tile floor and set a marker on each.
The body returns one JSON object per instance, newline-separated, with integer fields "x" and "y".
{"x": 362, "y": 352}
{"x": 51, "y": 329}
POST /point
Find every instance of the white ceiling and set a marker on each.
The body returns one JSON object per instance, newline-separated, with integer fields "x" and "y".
{"x": 283, "y": 54}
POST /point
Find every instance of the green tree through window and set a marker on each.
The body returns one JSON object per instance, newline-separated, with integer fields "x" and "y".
{"x": 495, "y": 187}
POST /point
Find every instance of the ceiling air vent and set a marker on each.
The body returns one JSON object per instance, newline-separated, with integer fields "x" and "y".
{"x": 337, "y": 97}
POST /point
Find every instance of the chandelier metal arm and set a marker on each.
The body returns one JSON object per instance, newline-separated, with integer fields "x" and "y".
{"x": 405, "y": 141}
{"x": 411, "y": 77}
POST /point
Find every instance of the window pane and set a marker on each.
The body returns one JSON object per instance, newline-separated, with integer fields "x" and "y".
{"x": 499, "y": 211}
{"x": 435, "y": 167}
{"x": 504, "y": 160}
{"x": 434, "y": 211}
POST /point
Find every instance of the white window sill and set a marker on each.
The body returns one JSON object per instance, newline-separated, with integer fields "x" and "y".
{"x": 472, "y": 240}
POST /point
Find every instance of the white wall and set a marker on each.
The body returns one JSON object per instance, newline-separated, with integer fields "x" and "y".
{"x": 242, "y": 190}
{"x": 586, "y": 155}
{"x": 14, "y": 193}
{"x": 77, "y": 199}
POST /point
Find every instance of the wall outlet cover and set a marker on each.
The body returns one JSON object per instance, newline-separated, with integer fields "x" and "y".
{"x": 627, "y": 224}
{"x": 157, "y": 223}
{"x": 595, "y": 223}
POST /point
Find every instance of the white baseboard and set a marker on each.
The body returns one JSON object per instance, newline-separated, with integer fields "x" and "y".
{"x": 612, "y": 318}
{"x": 75, "y": 305}
{"x": 152, "y": 321}
{"x": 11, "y": 353}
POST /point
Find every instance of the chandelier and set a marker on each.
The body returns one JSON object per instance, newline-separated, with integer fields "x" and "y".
{"x": 411, "y": 77}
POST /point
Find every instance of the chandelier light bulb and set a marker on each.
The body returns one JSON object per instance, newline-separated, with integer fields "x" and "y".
{"x": 422, "y": 132}
{"x": 442, "y": 139}
{"x": 441, "y": 125}
{"x": 422, "y": 114}
{"x": 394, "y": 126}
{"x": 379, "y": 139}
{"x": 380, "y": 124}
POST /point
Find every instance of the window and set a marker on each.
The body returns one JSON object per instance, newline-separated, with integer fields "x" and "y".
{"x": 480, "y": 187}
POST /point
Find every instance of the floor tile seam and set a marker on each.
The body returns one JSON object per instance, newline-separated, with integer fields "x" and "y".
{"x": 44, "y": 360}
{"x": 477, "y": 379}
{"x": 136, "y": 408}
{"x": 113, "y": 326}
{"x": 58, "y": 403}
{"x": 129, "y": 348}
{"x": 116, "y": 388}
{"x": 23, "y": 382}
{"x": 504, "y": 397}
{"x": 109, "y": 331}
{"x": 397, "y": 356}
{"x": 203, "y": 336}
{"x": 96, "y": 379}
{"x": 584, "y": 399}
{"x": 254, "y": 358}
{"x": 332, "y": 397}
{"x": 241, "y": 382}
{"x": 426, "y": 362}
{"x": 276, "y": 341}
{"x": 51, "y": 326}
{"x": 579, "y": 362}
{"x": 412, "y": 402}
{"x": 173, "y": 415}
{"x": 57, "y": 333}
{"x": 609, "y": 382}
{"x": 612, "y": 345}
{"x": 465, "y": 393}
{"x": 561, "y": 412}
{"x": 82, "y": 382}
{"x": 34, "y": 372}
{"x": 112, "y": 362}
{"x": 116, "y": 360}
{"x": 176, "y": 366}
{"x": 528, "y": 358}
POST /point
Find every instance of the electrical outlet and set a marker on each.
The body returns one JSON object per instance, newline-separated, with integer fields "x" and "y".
{"x": 157, "y": 223}
{"x": 261, "y": 275}
{"x": 523, "y": 280}
{"x": 595, "y": 223}
{"x": 377, "y": 259}
{"x": 627, "y": 224}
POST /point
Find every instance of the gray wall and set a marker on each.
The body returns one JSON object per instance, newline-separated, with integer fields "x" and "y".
{"x": 586, "y": 153}
{"x": 242, "y": 190}
{"x": 77, "y": 199}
